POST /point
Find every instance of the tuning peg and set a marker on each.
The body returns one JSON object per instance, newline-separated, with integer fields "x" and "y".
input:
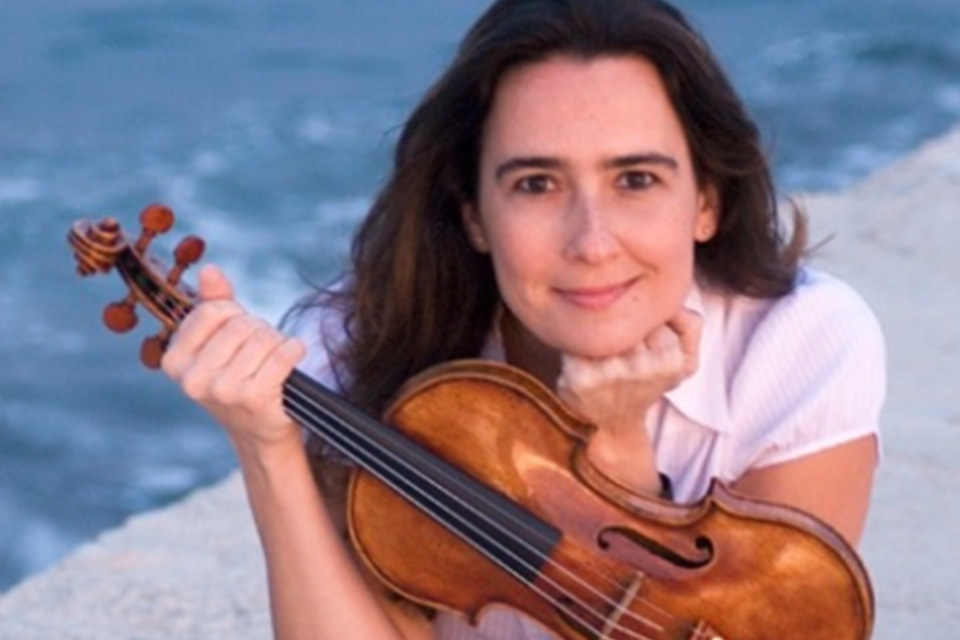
{"x": 120, "y": 317}
{"x": 187, "y": 253}
{"x": 154, "y": 220}
{"x": 152, "y": 349}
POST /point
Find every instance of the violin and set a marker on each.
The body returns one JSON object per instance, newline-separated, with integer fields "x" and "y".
{"x": 474, "y": 490}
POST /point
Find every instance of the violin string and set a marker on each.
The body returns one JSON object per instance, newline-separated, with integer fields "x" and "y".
{"x": 416, "y": 473}
{"x": 505, "y": 515}
{"x": 346, "y": 447}
{"x": 413, "y": 471}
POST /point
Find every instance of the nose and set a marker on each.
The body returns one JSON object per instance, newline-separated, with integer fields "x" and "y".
{"x": 591, "y": 237}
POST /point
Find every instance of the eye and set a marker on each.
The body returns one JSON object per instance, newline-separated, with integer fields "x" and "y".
{"x": 636, "y": 180}
{"x": 535, "y": 184}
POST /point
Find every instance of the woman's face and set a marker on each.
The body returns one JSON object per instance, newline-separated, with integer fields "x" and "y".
{"x": 588, "y": 203}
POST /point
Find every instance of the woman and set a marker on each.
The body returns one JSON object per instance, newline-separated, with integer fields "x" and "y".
{"x": 580, "y": 195}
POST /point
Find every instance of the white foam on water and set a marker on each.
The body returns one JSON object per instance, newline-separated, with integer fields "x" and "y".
{"x": 315, "y": 130}
{"x": 18, "y": 190}
{"x": 336, "y": 219}
{"x": 166, "y": 478}
{"x": 949, "y": 98}
{"x": 820, "y": 47}
{"x": 207, "y": 162}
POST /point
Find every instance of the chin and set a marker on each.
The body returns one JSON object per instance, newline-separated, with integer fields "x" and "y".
{"x": 603, "y": 340}
{"x": 600, "y": 349}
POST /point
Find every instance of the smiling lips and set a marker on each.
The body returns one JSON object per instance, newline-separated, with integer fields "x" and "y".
{"x": 596, "y": 298}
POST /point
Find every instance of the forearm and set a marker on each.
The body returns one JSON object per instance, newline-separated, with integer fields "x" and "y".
{"x": 316, "y": 590}
{"x": 235, "y": 365}
{"x": 834, "y": 484}
{"x": 626, "y": 456}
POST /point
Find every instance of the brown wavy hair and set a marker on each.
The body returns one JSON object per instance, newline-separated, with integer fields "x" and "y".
{"x": 418, "y": 294}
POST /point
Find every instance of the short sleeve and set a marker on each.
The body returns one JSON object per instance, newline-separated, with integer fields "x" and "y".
{"x": 813, "y": 375}
{"x": 321, "y": 330}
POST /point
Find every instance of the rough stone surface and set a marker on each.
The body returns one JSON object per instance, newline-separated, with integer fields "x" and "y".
{"x": 194, "y": 571}
{"x": 895, "y": 238}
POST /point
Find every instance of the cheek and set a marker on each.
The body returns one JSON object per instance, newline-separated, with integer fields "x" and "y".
{"x": 525, "y": 264}
{"x": 666, "y": 240}
{"x": 518, "y": 242}
{"x": 666, "y": 255}
{"x": 520, "y": 263}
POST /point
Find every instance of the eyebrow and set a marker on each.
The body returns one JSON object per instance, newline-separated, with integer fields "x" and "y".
{"x": 520, "y": 163}
{"x": 654, "y": 158}
{"x": 619, "y": 162}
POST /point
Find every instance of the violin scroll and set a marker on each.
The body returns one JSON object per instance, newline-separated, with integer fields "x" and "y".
{"x": 99, "y": 247}
{"x": 96, "y": 246}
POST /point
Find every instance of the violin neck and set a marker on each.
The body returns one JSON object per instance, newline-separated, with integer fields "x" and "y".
{"x": 509, "y": 535}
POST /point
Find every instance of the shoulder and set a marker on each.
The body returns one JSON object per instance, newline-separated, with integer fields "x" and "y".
{"x": 822, "y": 297}
{"x": 821, "y": 322}
{"x": 822, "y": 313}
{"x": 811, "y": 372}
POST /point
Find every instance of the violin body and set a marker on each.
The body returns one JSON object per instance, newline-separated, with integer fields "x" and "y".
{"x": 725, "y": 568}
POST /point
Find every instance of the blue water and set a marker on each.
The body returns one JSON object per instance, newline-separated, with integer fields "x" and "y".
{"x": 267, "y": 124}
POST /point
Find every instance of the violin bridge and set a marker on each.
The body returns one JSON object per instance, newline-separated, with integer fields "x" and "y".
{"x": 612, "y": 624}
{"x": 615, "y": 625}
{"x": 703, "y": 631}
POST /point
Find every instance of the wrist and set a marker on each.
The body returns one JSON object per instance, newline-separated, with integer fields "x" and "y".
{"x": 256, "y": 453}
{"x": 627, "y": 461}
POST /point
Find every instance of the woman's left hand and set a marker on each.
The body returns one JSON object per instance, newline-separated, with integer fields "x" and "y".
{"x": 615, "y": 394}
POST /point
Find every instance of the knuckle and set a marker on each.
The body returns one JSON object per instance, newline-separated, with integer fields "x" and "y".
{"x": 255, "y": 333}
{"x": 169, "y": 362}
{"x": 239, "y": 327}
{"x": 214, "y": 312}
{"x": 194, "y": 385}
{"x": 204, "y": 313}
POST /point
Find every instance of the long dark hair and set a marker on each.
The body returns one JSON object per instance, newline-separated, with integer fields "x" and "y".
{"x": 418, "y": 294}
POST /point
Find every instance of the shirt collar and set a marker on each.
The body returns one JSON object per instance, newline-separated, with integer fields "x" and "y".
{"x": 703, "y": 396}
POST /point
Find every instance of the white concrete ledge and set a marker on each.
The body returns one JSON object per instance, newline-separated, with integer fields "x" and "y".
{"x": 194, "y": 570}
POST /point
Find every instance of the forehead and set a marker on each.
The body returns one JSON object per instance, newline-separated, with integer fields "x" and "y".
{"x": 563, "y": 104}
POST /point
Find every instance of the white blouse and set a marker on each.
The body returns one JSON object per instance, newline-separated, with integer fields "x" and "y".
{"x": 778, "y": 379}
